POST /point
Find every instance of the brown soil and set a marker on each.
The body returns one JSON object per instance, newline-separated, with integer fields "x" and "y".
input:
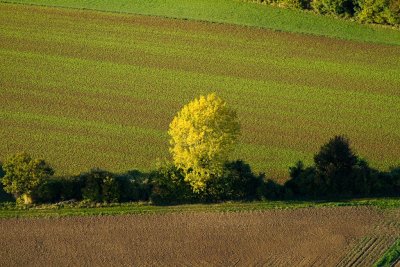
{"x": 303, "y": 237}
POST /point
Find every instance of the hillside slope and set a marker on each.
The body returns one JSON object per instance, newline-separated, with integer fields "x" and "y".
{"x": 88, "y": 89}
{"x": 238, "y": 12}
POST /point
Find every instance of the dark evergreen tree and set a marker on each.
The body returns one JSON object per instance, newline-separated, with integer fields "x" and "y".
{"x": 334, "y": 164}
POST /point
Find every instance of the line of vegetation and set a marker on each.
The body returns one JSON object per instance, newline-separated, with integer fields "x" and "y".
{"x": 202, "y": 134}
{"x": 252, "y": 14}
{"x": 391, "y": 256}
{"x": 385, "y": 12}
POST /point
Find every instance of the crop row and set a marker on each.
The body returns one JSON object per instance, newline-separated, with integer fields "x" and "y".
{"x": 97, "y": 89}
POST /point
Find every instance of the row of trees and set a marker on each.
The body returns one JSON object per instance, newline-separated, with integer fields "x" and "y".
{"x": 28, "y": 183}
{"x": 364, "y": 11}
{"x": 336, "y": 173}
{"x": 203, "y": 134}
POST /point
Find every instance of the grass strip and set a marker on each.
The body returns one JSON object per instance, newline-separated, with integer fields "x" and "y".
{"x": 11, "y": 210}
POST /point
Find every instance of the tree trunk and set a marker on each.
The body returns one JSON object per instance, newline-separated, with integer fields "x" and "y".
{"x": 27, "y": 199}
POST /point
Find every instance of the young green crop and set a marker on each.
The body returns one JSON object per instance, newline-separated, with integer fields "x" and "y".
{"x": 96, "y": 89}
{"x": 238, "y": 12}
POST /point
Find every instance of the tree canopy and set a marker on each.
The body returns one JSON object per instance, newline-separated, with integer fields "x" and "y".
{"x": 203, "y": 134}
{"x": 23, "y": 174}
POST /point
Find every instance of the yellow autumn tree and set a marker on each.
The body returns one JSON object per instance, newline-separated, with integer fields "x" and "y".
{"x": 203, "y": 134}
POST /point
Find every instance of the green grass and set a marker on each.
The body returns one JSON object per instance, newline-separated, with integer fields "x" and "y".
{"x": 237, "y": 12}
{"x": 11, "y": 210}
{"x": 391, "y": 256}
{"x": 95, "y": 89}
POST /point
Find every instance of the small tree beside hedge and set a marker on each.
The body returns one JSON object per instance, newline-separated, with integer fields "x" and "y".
{"x": 337, "y": 172}
{"x": 23, "y": 174}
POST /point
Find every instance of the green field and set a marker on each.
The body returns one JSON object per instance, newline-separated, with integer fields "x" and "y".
{"x": 237, "y": 12}
{"x": 85, "y": 89}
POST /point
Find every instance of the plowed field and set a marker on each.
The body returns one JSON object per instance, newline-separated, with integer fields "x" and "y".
{"x": 85, "y": 89}
{"x": 347, "y": 236}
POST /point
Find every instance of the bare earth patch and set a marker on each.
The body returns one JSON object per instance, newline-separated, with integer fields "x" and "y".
{"x": 302, "y": 237}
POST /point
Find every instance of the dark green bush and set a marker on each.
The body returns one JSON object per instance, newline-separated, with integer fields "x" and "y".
{"x": 305, "y": 182}
{"x": 395, "y": 180}
{"x": 59, "y": 189}
{"x": 237, "y": 183}
{"x": 49, "y": 191}
{"x": 4, "y": 196}
{"x": 386, "y": 183}
{"x": 93, "y": 186}
{"x": 271, "y": 190}
{"x": 134, "y": 186}
{"x": 169, "y": 186}
{"x": 363, "y": 179}
{"x": 100, "y": 186}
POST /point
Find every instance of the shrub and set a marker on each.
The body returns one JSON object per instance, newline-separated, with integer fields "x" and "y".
{"x": 362, "y": 179}
{"x": 134, "y": 186}
{"x": 49, "y": 191}
{"x": 100, "y": 186}
{"x": 237, "y": 183}
{"x": 296, "y": 4}
{"x": 395, "y": 180}
{"x": 335, "y": 7}
{"x": 59, "y": 189}
{"x": 271, "y": 190}
{"x": 379, "y": 11}
{"x": 95, "y": 186}
{"x": 305, "y": 181}
{"x": 72, "y": 188}
{"x": 169, "y": 185}
{"x": 4, "y": 196}
{"x": 387, "y": 183}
